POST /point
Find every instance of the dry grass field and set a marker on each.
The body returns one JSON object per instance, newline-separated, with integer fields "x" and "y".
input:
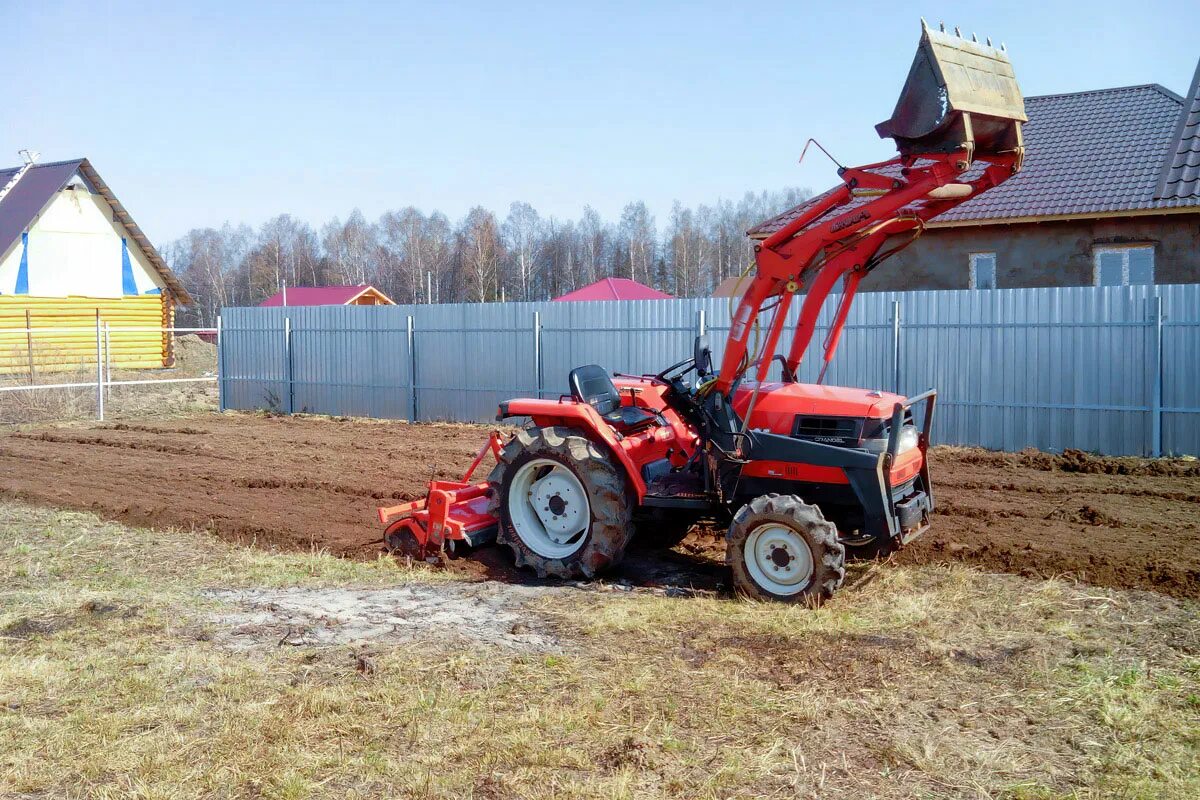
{"x": 173, "y": 664}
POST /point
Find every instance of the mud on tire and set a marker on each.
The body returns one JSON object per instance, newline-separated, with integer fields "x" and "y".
{"x": 810, "y": 525}
{"x": 611, "y": 525}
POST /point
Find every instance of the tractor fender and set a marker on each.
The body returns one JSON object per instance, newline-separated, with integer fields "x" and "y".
{"x": 582, "y": 417}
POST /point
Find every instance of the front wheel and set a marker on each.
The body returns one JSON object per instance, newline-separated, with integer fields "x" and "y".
{"x": 781, "y": 548}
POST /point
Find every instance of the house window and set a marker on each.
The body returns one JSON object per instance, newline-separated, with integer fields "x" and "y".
{"x": 983, "y": 271}
{"x": 1124, "y": 266}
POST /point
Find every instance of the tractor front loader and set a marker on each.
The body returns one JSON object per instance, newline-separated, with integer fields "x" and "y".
{"x": 804, "y": 475}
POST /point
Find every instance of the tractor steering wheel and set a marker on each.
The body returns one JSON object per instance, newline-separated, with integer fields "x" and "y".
{"x": 701, "y": 362}
{"x": 690, "y": 363}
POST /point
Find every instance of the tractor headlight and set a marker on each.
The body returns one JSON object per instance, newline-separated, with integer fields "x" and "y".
{"x": 908, "y": 440}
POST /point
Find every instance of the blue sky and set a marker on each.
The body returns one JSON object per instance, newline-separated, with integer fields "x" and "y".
{"x": 200, "y": 113}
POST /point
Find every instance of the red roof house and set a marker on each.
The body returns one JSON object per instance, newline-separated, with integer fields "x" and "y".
{"x": 614, "y": 289}
{"x": 361, "y": 295}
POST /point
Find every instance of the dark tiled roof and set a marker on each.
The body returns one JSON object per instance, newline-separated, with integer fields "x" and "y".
{"x": 1181, "y": 172}
{"x": 31, "y": 194}
{"x": 37, "y": 187}
{"x": 1087, "y": 153}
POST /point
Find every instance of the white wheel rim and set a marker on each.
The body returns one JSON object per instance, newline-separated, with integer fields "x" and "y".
{"x": 549, "y": 508}
{"x": 779, "y": 559}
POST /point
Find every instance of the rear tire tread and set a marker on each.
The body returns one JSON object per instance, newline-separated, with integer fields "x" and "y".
{"x": 612, "y": 517}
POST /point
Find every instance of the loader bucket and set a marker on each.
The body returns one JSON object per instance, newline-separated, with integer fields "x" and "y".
{"x": 960, "y": 94}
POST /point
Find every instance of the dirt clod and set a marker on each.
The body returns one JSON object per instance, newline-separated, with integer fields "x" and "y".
{"x": 299, "y": 483}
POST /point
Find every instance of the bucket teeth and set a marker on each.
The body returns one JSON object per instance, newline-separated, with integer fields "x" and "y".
{"x": 958, "y": 92}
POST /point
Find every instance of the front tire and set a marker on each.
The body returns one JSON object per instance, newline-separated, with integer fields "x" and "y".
{"x": 780, "y": 548}
{"x": 563, "y": 505}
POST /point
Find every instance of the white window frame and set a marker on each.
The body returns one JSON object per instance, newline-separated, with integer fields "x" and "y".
{"x": 972, "y": 281}
{"x": 1123, "y": 250}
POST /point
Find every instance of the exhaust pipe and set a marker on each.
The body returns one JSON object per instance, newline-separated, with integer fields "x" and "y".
{"x": 959, "y": 95}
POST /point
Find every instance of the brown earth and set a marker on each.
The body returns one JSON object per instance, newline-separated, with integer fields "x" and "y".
{"x": 299, "y": 483}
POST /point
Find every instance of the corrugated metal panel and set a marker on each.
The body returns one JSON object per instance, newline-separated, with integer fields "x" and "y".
{"x": 1047, "y": 368}
{"x": 1181, "y": 378}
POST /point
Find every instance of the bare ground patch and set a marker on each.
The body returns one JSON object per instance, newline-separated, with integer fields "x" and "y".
{"x": 486, "y": 613}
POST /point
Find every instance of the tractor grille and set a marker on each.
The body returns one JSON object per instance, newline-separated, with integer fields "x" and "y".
{"x": 841, "y": 431}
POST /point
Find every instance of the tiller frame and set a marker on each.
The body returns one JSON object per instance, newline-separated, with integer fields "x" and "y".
{"x": 452, "y": 512}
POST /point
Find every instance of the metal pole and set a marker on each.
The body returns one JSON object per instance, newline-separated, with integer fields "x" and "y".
{"x": 700, "y": 326}
{"x": 99, "y": 370}
{"x": 1157, "y": 385}
{"x": 287, "y": 347}
{"x": 220, "y": 366}
{"x": 537, "y": 353}
{"x": 896, "y": 346}
{"x": 107, "y": 364}
{"x": 412, "y": 370}
{"x": 29, "y": 343}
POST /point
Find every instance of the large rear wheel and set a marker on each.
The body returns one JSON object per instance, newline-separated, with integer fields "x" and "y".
{"x": 563, "y": 506}
{"x": 781, "y": 548}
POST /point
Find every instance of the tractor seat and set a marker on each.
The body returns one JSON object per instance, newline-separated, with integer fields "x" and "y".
{"x": 592, "y": 385}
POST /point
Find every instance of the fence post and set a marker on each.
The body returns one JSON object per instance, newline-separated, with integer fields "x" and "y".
{"x": 107, "y": 365}
{"x": 537, "y": 353}
{"x": 99, "y": 369}
{"x": 412, "y": 369}
{"x": 220, "y": 365}
{"x": 896, "y": 346}
{"x": 287, "y": 352}
{"x": 29, "y": 343}
{"x": 1156, "y": 386}
{"x": 700, "y": 326}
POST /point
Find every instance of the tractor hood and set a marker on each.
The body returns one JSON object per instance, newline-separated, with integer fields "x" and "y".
{"x": 778, "y": 403}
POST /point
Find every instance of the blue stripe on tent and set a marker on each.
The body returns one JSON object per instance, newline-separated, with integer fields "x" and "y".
{"x": 22, "y": 286}
{"x": 128, "y": 286}
{"x": 155, "y": 290}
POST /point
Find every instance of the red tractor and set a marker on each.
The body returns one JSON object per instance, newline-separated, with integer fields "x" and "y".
{"x": 803, "y": 474}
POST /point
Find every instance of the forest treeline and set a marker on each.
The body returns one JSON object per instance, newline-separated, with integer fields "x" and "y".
{"x": 416, "y": 258}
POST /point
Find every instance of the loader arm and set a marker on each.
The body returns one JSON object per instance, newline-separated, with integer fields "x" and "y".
{"x": 957, "y": 127}
{"x": 828, "y": 242}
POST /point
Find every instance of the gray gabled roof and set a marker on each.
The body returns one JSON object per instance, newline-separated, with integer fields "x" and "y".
{"x": 37, "y": 187}
{"x": 1181, "y": 172}
{"x": 1087, "y": 154}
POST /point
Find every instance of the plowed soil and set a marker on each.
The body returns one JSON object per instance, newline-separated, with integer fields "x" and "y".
{"x": 299, "y": 483}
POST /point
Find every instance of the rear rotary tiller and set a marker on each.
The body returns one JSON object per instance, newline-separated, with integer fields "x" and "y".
{"x": 454, "y": 513}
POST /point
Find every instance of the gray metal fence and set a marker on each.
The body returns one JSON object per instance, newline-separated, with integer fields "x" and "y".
{"x": 1108, "y": 369}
